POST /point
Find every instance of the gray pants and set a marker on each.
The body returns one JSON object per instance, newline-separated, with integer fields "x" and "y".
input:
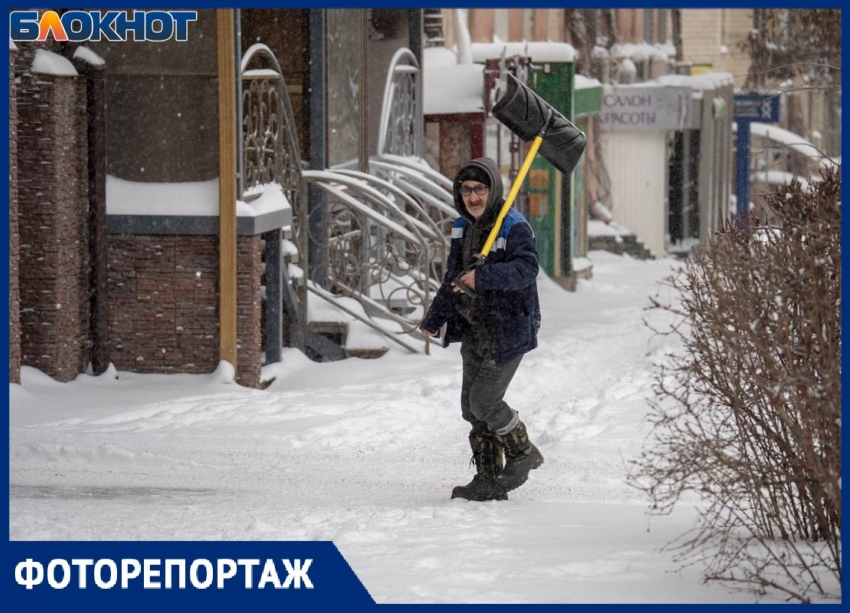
{"x": 484, "y": 387}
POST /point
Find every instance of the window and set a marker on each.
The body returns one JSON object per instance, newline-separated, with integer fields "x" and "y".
{"x": 662, "y": 25}
{"x": 648, "y": 25}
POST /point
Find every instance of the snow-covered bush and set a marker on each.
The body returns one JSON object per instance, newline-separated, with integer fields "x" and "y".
{"x": 748, "y": 415}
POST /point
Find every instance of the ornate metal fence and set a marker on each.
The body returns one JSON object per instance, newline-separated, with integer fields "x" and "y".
{"x": 269, "y": 141}
{"x": 270, "y": 156}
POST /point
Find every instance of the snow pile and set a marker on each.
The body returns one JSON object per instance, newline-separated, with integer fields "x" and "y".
{"x": 434, "y": 57}
{"x": 450, "y": 87}
{"x": 596, "y": 227}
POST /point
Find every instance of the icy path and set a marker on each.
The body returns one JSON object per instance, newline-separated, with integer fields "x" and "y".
{"x": 365, "y": 453}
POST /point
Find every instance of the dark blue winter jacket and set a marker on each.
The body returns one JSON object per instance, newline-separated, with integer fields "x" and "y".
{"x": 506, "y": 282}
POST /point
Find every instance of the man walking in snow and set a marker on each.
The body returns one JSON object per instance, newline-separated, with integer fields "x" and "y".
{"x": 496, "y": 328}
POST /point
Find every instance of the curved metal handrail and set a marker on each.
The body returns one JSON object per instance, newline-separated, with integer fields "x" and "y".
{"x": 401, "y": 113}
{"x": 270, "y": 146}
{"x": 419, "y": 216}
{"x": 394, "y": 173}
{"x": 419, "y": 165}
{"x": 270, "y": 155}
{"x": 377, "y": 253}
{"x": 439, "y": 202}
{"x": 385, "y": 233}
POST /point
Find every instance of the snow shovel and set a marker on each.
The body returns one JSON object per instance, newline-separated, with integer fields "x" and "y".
{"x": 557, "y": 139}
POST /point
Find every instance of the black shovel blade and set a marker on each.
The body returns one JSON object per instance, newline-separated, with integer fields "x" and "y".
{"x": 527, "y": 115}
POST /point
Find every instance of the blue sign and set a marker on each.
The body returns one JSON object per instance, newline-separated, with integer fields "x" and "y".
{"x": 147, "y": 576}
{"x": 757, "y": 107}
{"x": 750, "y": 107}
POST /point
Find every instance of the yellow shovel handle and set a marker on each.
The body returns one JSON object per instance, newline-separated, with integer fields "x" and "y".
{"x": 535, "y": 145}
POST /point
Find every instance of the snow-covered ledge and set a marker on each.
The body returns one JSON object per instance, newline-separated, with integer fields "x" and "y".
{"x": 134, "y": 207}
{"x": 85, "y": 54}
{"x": 49, "y": 63}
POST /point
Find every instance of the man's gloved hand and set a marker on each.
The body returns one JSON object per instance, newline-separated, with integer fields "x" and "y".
{"x": 468, "y": 278}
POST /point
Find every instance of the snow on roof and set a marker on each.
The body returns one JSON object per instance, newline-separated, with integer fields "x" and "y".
{"x": 779, "y": 177}
{"x": 453, "y": 89}
{"x": 537, "y": 51}
{"x": 706, "y": 80}
{"x": 583, "y": 82}
{"x": 795, "y": 142}
{"x": 87, "y": 55}
{"x": 47, "y": 62}
{"x": 599, "y": 52}
{"x": 627, "y": 67}
{"x": 190, "y": 198}
{"x": 668, "y": 48}
{"x": 640, "y": 52}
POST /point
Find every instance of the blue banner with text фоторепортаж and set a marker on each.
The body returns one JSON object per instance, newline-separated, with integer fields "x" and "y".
{"x": 137, "y": 576}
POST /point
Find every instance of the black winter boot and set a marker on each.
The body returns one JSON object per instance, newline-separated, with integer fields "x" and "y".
{"x": 522, "y": 457}
{"x": 487, "y": 456}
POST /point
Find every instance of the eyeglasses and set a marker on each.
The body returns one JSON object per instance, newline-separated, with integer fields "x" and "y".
{"x": 479, "y": 189}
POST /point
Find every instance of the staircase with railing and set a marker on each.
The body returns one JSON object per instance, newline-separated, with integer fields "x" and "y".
{"x": 379, "y": 247}
{"x": 433, "y": 27}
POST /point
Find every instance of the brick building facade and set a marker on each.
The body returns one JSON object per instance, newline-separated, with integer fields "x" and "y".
{"x": 163, "y": 295}
{"x": 163, "y": 298}
{"x": 714, "y": 37}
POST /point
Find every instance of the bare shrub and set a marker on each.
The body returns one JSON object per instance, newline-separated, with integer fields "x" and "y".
{"x": 748, "y": 415}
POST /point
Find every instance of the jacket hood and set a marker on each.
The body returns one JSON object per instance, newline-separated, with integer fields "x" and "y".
{"x": 494, "y": 202}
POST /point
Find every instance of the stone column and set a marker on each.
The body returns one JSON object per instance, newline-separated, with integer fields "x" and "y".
{"x": 52, "y": 205}
{"x": 14, "y": 254}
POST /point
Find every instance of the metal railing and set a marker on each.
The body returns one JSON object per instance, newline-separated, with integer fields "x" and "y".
{"x": 401, "y": 113}
{"x": 377, "y": 253}
{"x": 385, "y": 232}
{"x": 383, "y": 236}
{"x": 270, "y": 156}
{"x": 270, "y": 144}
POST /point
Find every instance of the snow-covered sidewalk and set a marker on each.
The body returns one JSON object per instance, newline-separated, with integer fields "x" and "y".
{"x": 366, "y": 452}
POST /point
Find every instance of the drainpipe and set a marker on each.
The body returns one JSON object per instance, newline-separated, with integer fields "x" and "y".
{"x": 240, "y": 137}
{"x": 227, "y": 185}
{"x": 317, "y": 233}
{"x": 677, "y": 35}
